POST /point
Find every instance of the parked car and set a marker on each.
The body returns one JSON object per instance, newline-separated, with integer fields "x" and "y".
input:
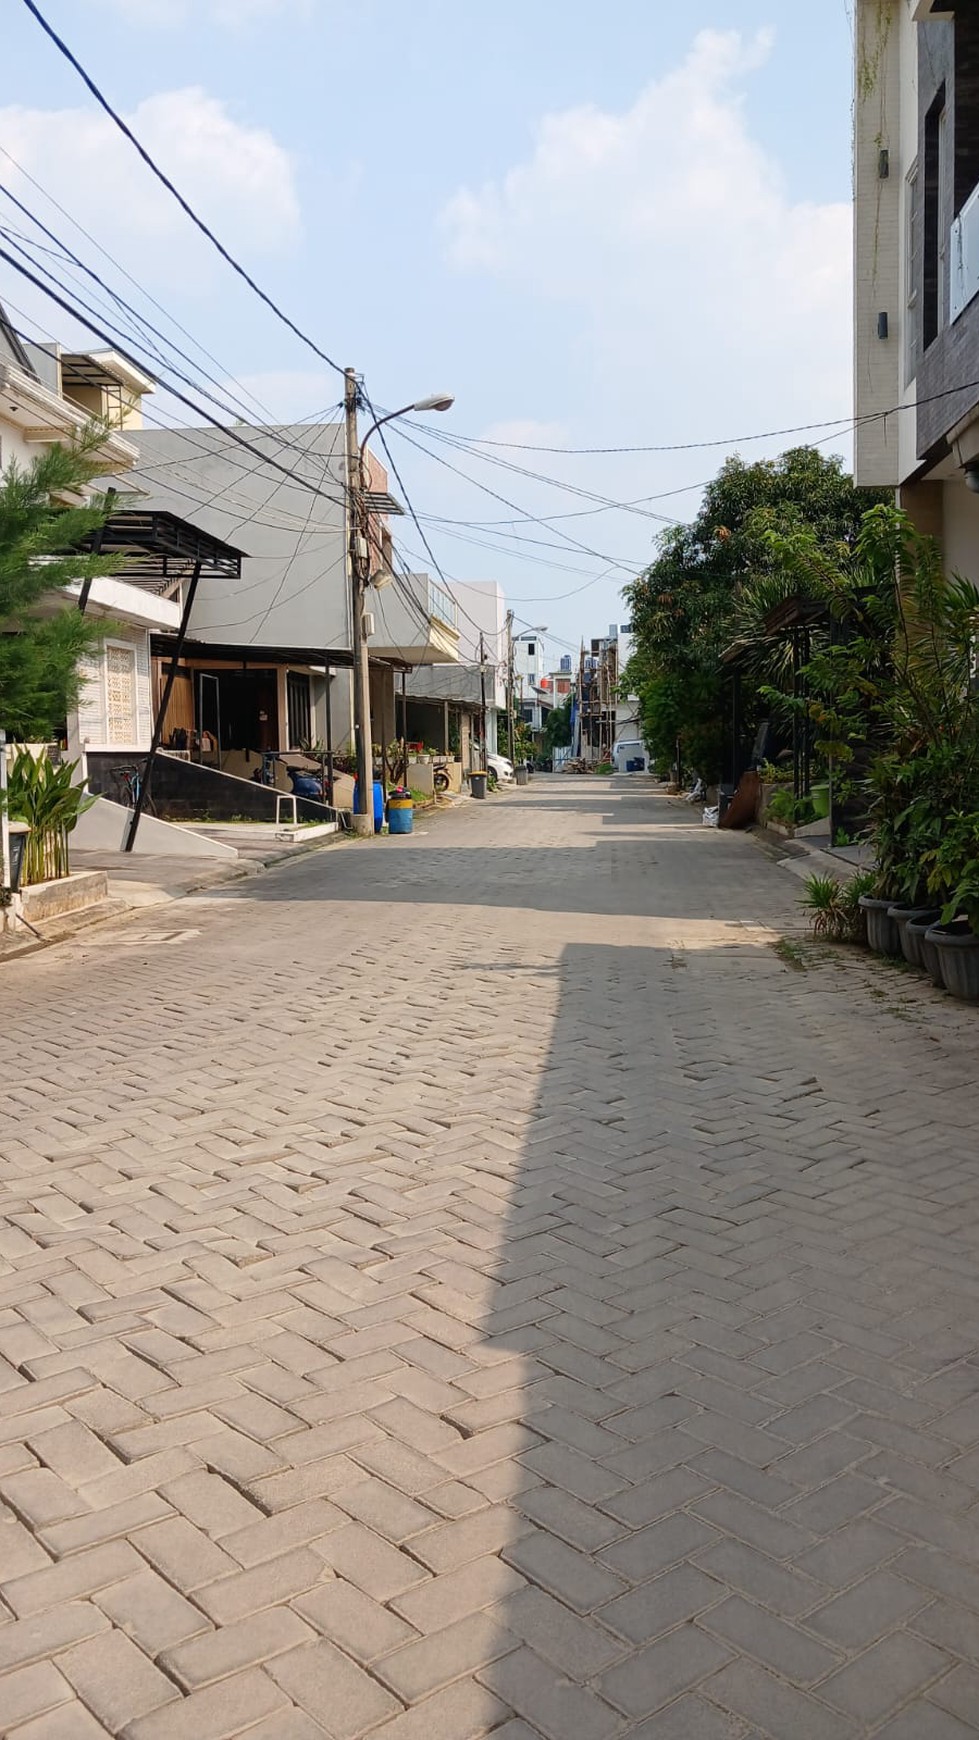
{"x": 630, "y": 756}
{"x": 500, "y": 768}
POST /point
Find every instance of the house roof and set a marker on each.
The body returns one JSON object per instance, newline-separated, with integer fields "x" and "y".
{"x": 11, "y": 349}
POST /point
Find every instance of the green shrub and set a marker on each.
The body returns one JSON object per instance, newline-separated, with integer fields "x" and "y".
{"x": 834, "y": 907}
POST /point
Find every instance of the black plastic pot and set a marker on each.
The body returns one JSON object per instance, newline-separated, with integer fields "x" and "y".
{"x": 882, "y": 931}
{"x": 958, "y": 951}
{"x": 917, "y": 937}
{"x": 904, "y": 917}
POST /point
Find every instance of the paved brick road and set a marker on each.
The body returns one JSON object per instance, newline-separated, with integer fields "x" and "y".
{"x": 472, "y": 1285}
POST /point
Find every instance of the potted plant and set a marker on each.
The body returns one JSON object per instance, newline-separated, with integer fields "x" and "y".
{"x": 42, "y": 795}
{"x": 834, "y": 908}
{"x": 954, "y": 875}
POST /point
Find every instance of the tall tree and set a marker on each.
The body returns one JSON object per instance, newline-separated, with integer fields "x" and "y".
{"x": 42, "y": 635}
{"x": 684, "y": 607}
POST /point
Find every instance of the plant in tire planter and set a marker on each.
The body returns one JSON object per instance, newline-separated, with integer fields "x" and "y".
{"x": 931, "y": 960}
{"x": 913, "y": 925}
{"x": 954, "y": 871}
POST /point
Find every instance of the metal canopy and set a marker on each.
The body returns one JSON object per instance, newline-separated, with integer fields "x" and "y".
{"x": 161, "y": 549}
{"x": 796, "y": 612}
{"x": 233, "y": 653}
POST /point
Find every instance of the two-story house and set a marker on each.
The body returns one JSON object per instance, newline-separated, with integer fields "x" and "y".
{"x": 267, "y": 664}
{"x": 916, "y": 239}
{"x": 49, "y": 395}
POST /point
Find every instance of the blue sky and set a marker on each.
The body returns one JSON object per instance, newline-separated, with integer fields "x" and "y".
{"x": 597, "y": 226}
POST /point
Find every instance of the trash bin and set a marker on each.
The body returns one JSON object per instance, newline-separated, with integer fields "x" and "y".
{"x": 521, "y": 776}
{"x": 477, "y": 784}
{"x": 18, "y": 844}
{"x": 401, "y": 813}
{"x": 378, "y": 804}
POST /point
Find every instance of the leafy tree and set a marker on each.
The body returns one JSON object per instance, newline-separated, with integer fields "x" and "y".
{"x": 684, "y": 607}
{"x": 42, "y": 636}
{"x": 557, "y": 727}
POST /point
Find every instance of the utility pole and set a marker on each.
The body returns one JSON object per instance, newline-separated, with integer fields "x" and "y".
{"x": 358, "y": 560}
{"x": 509, "y": 681}
{"x": 482, "y": 698}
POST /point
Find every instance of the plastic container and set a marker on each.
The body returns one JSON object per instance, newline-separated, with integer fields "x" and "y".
{"x": 819, "y": 797}
{"x": 958, "y": 952}
{"x": 521, "y": 776}
{"x": 882, "y": 932}
{"x": 378, "y": 804}
{"x": 477, "y": 784}
{"x": 923, "y": 918}
{"x": 401, "y": 815}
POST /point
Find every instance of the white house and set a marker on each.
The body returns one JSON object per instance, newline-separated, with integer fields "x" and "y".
{"x": 49, "y": 395}
{"x": 267, "y": 663}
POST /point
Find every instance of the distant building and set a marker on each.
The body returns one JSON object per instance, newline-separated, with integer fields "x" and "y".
{"x": 605, "y": 717}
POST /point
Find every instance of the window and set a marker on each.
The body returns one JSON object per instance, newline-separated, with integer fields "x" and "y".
{"x": 934, "y": 240}
{"x": 120, "y": 695}
{"x": 531, "y": 648}
{"x": 297, "y": 706}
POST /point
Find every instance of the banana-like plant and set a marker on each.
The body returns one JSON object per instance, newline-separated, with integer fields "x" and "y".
{"x": 43, "y": 795}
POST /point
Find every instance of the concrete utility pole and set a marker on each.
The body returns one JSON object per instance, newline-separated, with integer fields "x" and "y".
{"x": 358, "y": 562}
{"x": 359, "y": 566}
{"x": 509, "y": 680}
{"x": 482, "y": 699}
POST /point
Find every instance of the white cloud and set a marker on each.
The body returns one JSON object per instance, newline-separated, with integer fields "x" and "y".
{"x": 238, "y": 177}
{"x": 697, "y": 287}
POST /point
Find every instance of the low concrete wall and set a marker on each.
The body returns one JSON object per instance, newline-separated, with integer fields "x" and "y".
{"x": 45, "y": 900}
{"x": 186, "y": 791}
{"x": 103, "y": 828}
{"x": 422, "y": 777}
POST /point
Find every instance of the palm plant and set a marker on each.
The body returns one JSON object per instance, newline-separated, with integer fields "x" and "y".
{"x": 43, "y": 795}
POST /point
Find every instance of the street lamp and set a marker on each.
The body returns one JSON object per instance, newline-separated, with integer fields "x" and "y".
{"x": 358, "y": 564}
{"x": 435, "y": 402}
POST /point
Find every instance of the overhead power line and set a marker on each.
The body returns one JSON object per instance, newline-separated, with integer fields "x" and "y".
{"x": 112, "y": 340}
{"x": 142, "y": 324}
{"x": 151, "y": 299}
{"x": 153, "y": 364}
{"x": 665, "y": 447}
{"x": 174, "y": 191}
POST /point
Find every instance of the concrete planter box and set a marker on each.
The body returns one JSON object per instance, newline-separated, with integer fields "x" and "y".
{"x": 47, "y": 900}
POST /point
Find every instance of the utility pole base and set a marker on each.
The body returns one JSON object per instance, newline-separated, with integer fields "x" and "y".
{"x": 361, "y": 824}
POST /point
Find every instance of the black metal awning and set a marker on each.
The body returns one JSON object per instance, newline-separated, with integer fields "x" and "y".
{"x": 232, "y": 653}
{"x": 795, "y": 612}
{"x": 161, "y": 549}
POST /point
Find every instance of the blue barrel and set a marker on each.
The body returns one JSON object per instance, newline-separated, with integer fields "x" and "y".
{"x": 401, "y": 815}
{"x": 378, "y": 804}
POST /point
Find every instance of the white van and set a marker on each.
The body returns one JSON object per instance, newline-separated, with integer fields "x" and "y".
{"x": 630, "y": 756}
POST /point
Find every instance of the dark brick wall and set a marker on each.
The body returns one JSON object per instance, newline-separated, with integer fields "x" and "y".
{"x": 184, "y": 792}
{"x": 948, "y": 55}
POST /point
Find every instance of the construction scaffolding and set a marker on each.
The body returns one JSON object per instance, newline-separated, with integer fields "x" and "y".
{"x": 598, "y": 691}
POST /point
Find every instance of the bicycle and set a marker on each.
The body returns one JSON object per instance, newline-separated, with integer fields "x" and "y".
{"x": 129, "y": 783}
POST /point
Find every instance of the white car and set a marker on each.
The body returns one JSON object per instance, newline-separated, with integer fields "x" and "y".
{"x": 499, "y": 766}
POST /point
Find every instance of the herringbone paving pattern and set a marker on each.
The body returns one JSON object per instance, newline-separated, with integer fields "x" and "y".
{"x": 471, "y": 1285}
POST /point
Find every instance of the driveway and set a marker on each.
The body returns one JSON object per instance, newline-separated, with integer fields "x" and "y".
{"x": 475, "y": 1284}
